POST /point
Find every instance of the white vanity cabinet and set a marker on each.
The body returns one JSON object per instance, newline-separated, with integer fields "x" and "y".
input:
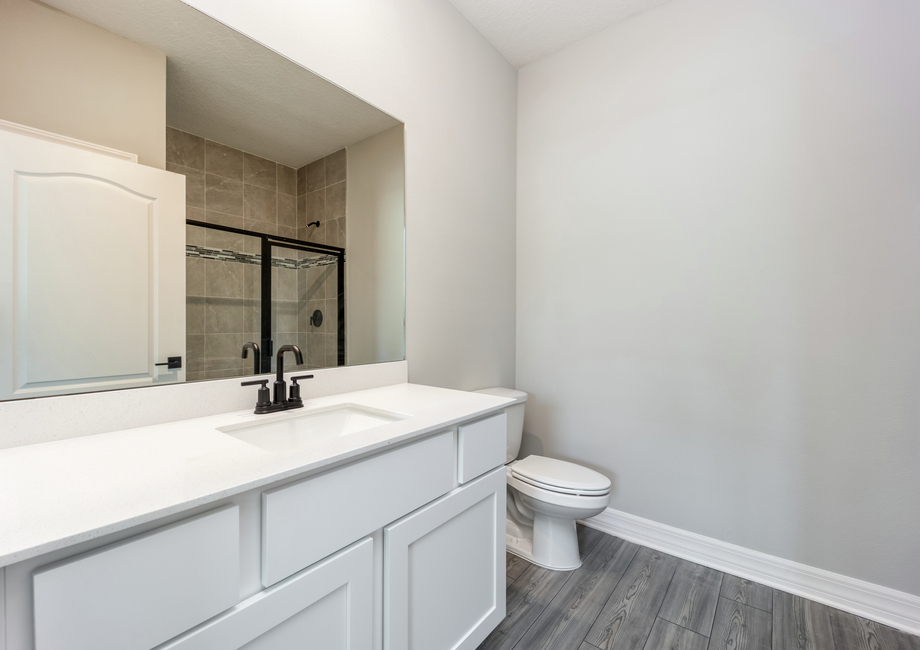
{"x": 399, "y": 549}
{"x": 444, "y": 585}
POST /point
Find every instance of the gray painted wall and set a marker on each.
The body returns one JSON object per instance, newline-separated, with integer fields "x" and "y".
{"x": 422, "y": 62}
{"x": 718, "y": 273}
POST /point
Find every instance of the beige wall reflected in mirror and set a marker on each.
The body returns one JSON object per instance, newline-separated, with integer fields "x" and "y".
{"x": 261, "y": 147}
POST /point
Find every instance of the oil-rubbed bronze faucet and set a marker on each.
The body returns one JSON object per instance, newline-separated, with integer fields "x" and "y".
{"x": 280, "y": 401}
{"x": 280, "y": 392}
{"x": 256, "y": 357}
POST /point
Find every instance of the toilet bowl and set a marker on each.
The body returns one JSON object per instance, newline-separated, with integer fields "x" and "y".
{"x": 545, "y": 497}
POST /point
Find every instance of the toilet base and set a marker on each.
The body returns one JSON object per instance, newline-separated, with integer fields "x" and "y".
{"x": 556, "y": 545}
{"x": 522, "y": 547}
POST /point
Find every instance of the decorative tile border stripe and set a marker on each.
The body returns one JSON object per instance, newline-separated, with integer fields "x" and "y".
{"x": 220, "y": 254}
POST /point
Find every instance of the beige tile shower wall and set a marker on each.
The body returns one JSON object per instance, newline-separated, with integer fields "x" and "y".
{"x": 233, "y": 188}
{"x": 321, "y": 197}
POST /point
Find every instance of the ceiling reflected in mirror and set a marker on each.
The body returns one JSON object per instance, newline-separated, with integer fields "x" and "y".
{"x": 228, "y": 88}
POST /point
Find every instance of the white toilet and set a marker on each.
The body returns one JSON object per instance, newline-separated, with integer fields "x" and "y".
{"x": 545, "y": 497}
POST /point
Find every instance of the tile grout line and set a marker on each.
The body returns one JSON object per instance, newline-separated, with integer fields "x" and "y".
{"x": 773, "y": 621}
{"x": 772, "y": 618}
{"x": 774, "y": 614}
{"x": 658, "y": 613}
{"x": 601, "y": 610}
{"x": 833, "y": 633}
{"x": 537, "y": 617}
{"x": 506, "y": 573}
{"x": 772, "y": 592}
{"x": 683, "y": 627}
{"x": 659, "y": 618}
{"x": 759, "y": 609}
{"x": 771, "y": 628}
{"x": 718, "y": 596}
{"x": 561, "y": 587}
{"x": 609, "y": 596}
{"x": 712, "y": 623}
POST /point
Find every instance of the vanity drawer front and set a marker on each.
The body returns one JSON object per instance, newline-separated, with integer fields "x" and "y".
{"x": 306, "y": 521}
{"x": 328, "y": 606}
{"x": 138, "y": 593}
{"x": 482, "y": 446}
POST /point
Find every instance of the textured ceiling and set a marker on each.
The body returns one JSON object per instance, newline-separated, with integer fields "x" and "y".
{"x": 225, "y": 87}
{"x": 526, "y": 30}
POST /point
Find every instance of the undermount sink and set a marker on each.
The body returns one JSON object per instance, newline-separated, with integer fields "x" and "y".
{"x": 312, "y": 427}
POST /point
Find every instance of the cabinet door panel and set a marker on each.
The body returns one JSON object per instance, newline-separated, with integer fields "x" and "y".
{"x": 137, "y": 593}
{"x": 444, "y": 578}
{"x": 329, "y": 606}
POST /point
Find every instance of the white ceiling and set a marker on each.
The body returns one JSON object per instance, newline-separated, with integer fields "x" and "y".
{"x": 225, "y": 87}
{"x": 526, "y": 30}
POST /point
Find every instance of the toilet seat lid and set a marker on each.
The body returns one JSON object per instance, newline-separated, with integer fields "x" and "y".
{"x": 560, "y": 476}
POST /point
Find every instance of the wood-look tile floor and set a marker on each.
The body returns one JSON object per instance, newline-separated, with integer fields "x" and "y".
{"x": 628, "y": 597}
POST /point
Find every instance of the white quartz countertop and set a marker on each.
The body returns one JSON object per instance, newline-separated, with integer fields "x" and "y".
{"x": 57, "y": 494}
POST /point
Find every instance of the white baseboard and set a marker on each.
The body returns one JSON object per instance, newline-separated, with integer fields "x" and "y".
{"x": 895, "y": 608}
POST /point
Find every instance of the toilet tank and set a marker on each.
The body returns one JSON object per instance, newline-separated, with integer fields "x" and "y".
{"x": 515, "y": 414}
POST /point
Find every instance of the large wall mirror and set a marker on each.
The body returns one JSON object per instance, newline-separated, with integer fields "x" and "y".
{"x": 173, "y": 193}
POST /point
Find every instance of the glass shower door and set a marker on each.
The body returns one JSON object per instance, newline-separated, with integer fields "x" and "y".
{"x": 305, "y": 305}
{"x": 223, "y": 302}
{"x": 246, "y": 287}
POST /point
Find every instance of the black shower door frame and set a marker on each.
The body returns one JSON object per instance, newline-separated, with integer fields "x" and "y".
{"x": 267, "y": 241}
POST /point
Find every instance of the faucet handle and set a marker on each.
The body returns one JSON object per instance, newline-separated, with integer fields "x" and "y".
{"x": 265, "y": 398}
{"x": 295, "y": 388}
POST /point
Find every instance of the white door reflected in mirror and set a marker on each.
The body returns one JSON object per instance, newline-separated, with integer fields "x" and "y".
{"x": 71, "y": 219}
